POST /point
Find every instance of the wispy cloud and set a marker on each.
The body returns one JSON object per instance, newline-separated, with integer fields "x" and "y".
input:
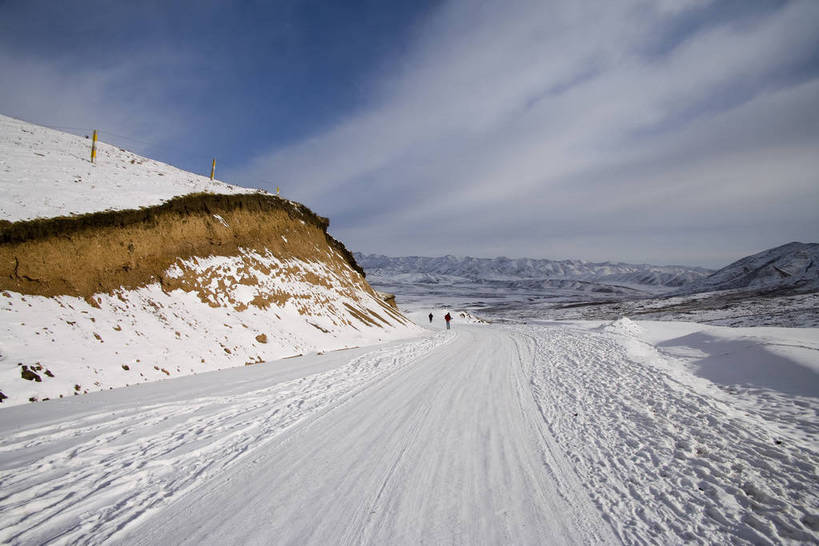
{"x": 545, "y": 129}
{"x": 639, "y": 130}
{"x": 125, "y": 98}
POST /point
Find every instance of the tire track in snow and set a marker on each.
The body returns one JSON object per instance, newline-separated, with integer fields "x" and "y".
{"x": 555, "y": 461}
{"x": 87, "y": 480}
{"x": 481, "y": 435}
{"x": 364, "y": 521}
{"x": 448, "y": 450}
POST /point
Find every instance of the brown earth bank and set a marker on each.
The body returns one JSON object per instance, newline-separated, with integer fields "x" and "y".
{"x": 106, "y": 251}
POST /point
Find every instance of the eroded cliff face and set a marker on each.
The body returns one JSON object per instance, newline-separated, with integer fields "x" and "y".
{"x": 201, "y": 282}
{"x": 105, "y": 251}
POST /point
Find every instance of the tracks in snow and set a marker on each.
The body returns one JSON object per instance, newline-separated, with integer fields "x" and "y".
{"x": 664, "y": 463}
{"x": 522, "y": 435}
{"x": 88, "y": 479}
{"x": 445, "y": 451}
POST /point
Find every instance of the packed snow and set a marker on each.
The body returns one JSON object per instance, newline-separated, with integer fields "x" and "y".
{"x": 584, "y": 432}
{"x": 670, "y": 457}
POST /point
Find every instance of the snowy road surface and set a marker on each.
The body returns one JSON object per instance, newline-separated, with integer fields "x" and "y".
{"x": 549, "y": 434}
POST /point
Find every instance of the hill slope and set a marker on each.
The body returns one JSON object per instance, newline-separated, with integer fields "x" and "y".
{"x": 115, "y": 295}
{"x": 46, "y": 173}
{"x": 793, "y": 266}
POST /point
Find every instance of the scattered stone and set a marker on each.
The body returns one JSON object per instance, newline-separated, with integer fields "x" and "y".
{"x": 30, "y": 375}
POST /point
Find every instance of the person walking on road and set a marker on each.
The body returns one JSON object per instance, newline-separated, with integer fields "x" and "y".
{"x": 447, "y": 318}
{"x": 430, "y": 318}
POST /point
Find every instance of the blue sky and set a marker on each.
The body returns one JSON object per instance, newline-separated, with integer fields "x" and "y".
{"x": 659, "y": 131}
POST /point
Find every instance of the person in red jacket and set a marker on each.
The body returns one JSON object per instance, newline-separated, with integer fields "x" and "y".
{"x": 447, "y": 318}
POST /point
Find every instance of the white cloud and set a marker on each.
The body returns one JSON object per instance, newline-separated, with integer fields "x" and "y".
{"x": 530, "y": 127}
{"x": 120, "y": 99}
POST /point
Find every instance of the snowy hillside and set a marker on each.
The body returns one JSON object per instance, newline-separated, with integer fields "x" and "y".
{"x": 451, "y": 268}
{"x": 791, "y": 266}
{"x": 46, "y": 173}
{"x": 201, "y": 276}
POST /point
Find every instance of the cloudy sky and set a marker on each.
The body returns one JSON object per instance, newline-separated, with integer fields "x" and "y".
{"x": 648, "y": 131}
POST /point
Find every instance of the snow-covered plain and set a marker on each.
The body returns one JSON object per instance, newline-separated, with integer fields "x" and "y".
{"x": 585, "y": 432}
{"x": 775, "y": 287}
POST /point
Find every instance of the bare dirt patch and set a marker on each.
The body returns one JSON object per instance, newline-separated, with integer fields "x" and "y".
{"x": 102, "y": 252}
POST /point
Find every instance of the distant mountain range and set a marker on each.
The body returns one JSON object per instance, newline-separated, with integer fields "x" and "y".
{"x": 424, "y": 270}
{"x": 792, "y": 267}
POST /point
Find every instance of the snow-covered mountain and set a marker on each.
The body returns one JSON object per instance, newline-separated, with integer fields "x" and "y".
{"x": 128, "y": 270}
{"x": 450, "y": 268}
{"x": 793, "y": 266}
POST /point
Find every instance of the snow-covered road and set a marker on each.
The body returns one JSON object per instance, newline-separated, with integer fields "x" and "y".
{"x": 449, "y": 449}
{"x": 548, "y": 434}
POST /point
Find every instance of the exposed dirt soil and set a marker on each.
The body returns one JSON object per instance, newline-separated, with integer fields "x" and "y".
{"x": 102, "y": 252}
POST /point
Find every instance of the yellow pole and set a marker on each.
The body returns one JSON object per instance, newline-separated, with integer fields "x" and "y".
{"x": 94, "y": 147}
{"x": 213, "y": 168}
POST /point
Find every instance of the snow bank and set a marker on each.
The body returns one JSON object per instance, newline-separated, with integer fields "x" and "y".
{"x": 55, "y": 347}
{"x": 624, "y": 326}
